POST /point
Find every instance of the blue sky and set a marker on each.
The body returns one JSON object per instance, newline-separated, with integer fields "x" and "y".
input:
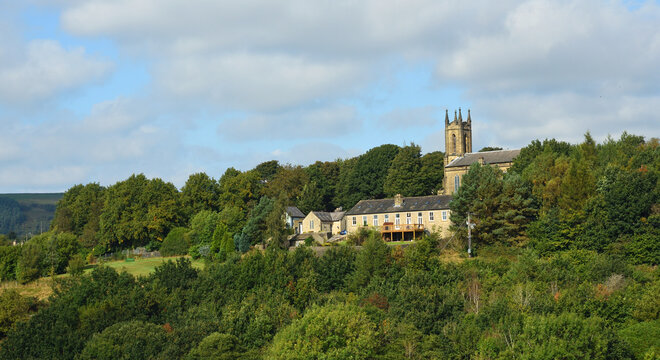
{"x": 96, "y": 90}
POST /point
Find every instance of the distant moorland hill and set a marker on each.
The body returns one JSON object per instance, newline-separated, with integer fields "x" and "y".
{"x": 27, "y": 213}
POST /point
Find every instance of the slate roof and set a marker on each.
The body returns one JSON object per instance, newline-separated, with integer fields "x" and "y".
{"x": 417, "y": 203}
{"x": 329, "y": 216}
{"x": 490, "y": 157}
{"x": 294, "y": 212}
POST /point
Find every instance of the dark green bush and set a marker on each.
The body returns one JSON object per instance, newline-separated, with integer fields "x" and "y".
{"x": 175, "y": 243}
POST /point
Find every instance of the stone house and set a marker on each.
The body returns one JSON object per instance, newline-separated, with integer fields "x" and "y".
{"x": 324, "y": 222}
{"x": 401, "y": 218}
{"x": 294, "y": 218}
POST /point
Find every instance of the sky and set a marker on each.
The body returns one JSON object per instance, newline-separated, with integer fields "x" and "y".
{"x": 97, "y": 90}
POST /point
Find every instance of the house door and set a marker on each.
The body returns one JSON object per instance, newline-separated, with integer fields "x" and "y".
{"x": 300, "y": 228}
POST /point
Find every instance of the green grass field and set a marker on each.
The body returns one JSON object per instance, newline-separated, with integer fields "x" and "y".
{"x": 141, "y": 267}
{"x": 42, "y": 289}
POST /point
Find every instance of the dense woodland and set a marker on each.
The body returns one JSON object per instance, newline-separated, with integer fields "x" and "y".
{"x": 567, "y": 247}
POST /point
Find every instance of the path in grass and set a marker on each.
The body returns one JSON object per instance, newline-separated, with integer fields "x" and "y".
{"x": 41, "y": 288}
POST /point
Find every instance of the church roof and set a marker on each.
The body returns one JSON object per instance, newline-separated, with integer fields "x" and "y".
{"x": 490, "y": 157}
{"x": 417, "y": 203}
{"x": 329, "y": 216}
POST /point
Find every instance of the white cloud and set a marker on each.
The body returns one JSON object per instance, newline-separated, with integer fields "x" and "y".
{"x": 323, "y": 123}
{"x": 43, "y": 69}
{"x": 308, "y": 153}
{"x": 118, "y": 139}
{"x": 528, "y": 69}
{"x": 413, "y": 117}
{"x": 254, "y": 81}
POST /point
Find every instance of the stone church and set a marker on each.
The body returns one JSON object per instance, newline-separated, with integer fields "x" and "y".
{"x": 459, "y": 155}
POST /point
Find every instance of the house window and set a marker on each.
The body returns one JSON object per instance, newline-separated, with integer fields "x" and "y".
{"x": 375, "y": 220}
{"x": 408, "y": 219}
{"x": 397, "y": 219}
{"x": 364, "y": 220}
{"x": 387, "y": 218}
{"x": 354, "y": 220}
{"x": 457, "y": 183}
{"x": 431, "y": 216}
{"x": 444, "y": 216}
{"x": 311, "y": 224}
{"x": 420, "y": 219}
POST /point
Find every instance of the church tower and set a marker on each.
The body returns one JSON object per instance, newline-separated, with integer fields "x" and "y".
{"x": 458, "y": 136}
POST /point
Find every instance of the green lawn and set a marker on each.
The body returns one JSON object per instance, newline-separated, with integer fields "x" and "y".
{"x": 41, "y": 288}
{"x": 392, "y": 243}
{"x": 142, "y": 267}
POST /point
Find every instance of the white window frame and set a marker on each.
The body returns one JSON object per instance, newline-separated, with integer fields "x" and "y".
{"x": 375, "y": 221}
{"x": 311, "y": 224}
{"x": 431, "y": 218}
{"x": 387, "y": 218}
{"x": 408, "y": 219}
{"x": 457, "y": 182}
{"x": 397, "y": 219}
{"x": 444, "y": 215}
{"x": 420, "y": 218}
{"x": 364, "y": 220}
{"x": 354, "y": 220}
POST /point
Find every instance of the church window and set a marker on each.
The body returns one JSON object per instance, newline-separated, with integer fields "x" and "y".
{"x": 457, "y": 182}
{"x": 465, "y": 143}
{"x": 453, "y": 142}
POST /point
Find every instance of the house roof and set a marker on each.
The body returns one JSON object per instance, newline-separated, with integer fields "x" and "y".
{"x": 417, "y": 203}
{"x": 294, "y": 212}
{"x": 490, "y": 157}
{"x": 329, "y": 216}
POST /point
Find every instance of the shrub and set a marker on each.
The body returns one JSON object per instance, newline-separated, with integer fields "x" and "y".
{"x": 29, "y": 264}
{"x": 216, "y": 346}
{"x": 310, "y": 241}
{"x": 14, "y": 308}
{"x": 76, "y": 265}
{"x": 126, "y": 340}
{"x": 9, "y": 256}
{"x": 175, "y": 243}
{"x": 329, "y": 332}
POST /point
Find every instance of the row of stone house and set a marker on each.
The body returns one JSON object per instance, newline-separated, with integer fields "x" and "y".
{"x": 403, "y": 218}
{"x": 398, "y": 218}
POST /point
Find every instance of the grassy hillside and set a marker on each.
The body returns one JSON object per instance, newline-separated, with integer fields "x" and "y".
{"x": 37, "y": 210}
{"x": 42, "y": 288}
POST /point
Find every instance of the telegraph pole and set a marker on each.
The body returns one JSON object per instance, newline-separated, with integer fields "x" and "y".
{"x": 469, "y": 226}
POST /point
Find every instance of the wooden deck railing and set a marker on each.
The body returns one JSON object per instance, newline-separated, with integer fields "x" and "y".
{"x": 390, "y": 227}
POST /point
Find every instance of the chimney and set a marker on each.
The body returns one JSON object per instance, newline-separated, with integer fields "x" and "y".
{"x": 398, "y": 200}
